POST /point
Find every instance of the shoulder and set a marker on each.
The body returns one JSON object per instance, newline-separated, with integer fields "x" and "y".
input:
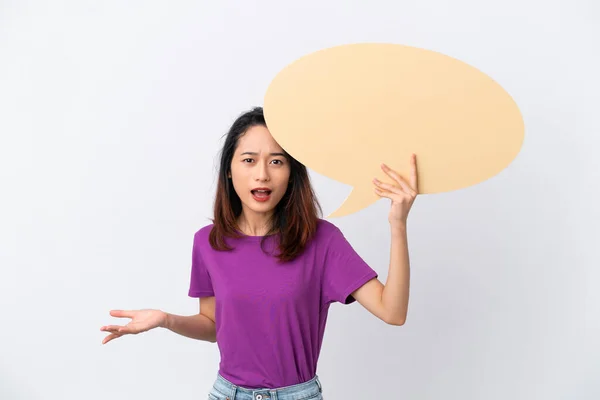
{"x": 327, "y": 231}
{"x": 202, "y": 234}
{"x": 332, "y": 238}
{"x": 324, "y": 226}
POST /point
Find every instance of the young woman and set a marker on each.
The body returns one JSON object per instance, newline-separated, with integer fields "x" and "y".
{"x": 268, "y": 268}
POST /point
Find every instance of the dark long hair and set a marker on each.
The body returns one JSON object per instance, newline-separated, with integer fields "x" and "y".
{"x": 295, "y": 216}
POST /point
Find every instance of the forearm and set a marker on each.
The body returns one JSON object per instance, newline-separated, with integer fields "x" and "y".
{"x": 396, "y": 291}
{"x": 196, "y": 326}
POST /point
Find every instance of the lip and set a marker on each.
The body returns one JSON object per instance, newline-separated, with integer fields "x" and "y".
{"x": 261, "y": 199}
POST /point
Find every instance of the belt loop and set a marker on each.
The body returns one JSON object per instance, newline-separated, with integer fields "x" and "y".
{"x": 319, "y": 384}
{"x": 233, "y": 392}
{"x": 273, "y": 394}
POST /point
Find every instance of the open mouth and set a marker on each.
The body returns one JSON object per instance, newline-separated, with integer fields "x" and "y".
{"x": 261, "y": 195}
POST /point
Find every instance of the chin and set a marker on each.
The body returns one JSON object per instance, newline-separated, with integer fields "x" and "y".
{"x": 256, "y": 207}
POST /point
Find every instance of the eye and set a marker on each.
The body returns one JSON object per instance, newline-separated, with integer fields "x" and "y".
{"x": 246, "y": 159}
{"x": 279, "y": 161}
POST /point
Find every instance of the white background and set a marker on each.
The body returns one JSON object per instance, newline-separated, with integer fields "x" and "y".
{"x": 111, "y": 116}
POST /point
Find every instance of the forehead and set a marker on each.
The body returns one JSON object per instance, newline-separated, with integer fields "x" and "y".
{"x": 257, "y": 139}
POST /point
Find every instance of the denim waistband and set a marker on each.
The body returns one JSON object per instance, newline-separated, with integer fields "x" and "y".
{"x": 301, "y": 390}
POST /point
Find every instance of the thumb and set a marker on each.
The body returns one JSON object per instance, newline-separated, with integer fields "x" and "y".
{"x": 122, "y": 313}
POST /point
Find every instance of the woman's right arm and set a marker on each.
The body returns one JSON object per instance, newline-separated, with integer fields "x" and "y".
{"x": 197, "y": 326}
{"x": 200, "y": 326}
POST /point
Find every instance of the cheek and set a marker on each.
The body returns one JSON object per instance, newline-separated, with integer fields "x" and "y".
{"x": 238, "y": 184}
{"x": 285, "y": 183}
{"x": 238, "y": 176}
{"x": 286, "y": 175}
{"x": 283, "y": 180}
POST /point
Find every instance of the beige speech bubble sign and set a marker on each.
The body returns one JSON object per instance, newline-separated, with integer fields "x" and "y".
{"x": 344, "y": 110}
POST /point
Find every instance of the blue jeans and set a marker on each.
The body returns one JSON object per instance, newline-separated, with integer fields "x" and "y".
{"x": 224, "y": 390}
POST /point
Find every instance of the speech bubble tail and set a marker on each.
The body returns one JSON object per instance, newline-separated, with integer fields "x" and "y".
{"x": 356, "y": 201}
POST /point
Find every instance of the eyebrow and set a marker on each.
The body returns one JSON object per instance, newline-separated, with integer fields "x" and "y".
{"x": 253, "y": 153}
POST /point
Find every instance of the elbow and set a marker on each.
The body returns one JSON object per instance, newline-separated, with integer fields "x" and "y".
{"x": 211, "y": 339}
{"x": 397, "y": 321}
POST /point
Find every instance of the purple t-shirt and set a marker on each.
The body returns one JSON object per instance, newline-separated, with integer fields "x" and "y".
{"x": 270, "y": 318}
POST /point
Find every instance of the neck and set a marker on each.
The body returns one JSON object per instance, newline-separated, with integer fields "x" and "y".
{"x": 253, "y": 224}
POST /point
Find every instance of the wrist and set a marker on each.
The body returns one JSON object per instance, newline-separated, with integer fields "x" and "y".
{"x": 398, "y": 227}
{"x": 166, "y": 321}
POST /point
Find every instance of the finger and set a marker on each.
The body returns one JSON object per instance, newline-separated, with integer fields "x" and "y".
{"x": 396, "y": 198}
{"x": 110, "y": 337}
{"x": 413, "y": 173}
{"x": 121, "y": 313}
{"x": 396, "y": 176}
{"x": 387, "y": 186}
{"x": 111, "y": 328}
{"x": 125, "y": 330}
{"x": 387, "y": 194}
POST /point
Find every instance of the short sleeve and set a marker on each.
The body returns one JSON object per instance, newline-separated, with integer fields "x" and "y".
{"x": 344, "y": 270}
{"x": 200, "y": 282}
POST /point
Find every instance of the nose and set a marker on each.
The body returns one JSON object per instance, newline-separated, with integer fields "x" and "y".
{"x": 262, "y": 172}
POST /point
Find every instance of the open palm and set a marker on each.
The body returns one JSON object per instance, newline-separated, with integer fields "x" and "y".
{"x": 141, "y": 321}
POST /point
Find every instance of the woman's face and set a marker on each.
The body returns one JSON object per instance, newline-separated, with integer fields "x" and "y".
{"x": 259, "y": 171}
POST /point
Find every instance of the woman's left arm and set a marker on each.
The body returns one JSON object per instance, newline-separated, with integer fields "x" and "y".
{"x": 390, "y": 301}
